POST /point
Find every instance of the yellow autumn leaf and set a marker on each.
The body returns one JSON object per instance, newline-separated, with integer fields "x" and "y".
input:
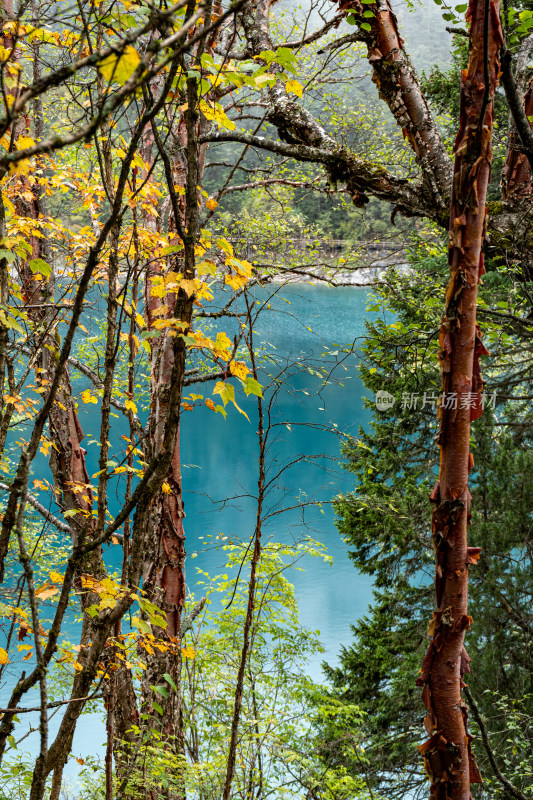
{"x": 206, "y": 268}
{"x": 235, "y": 281}
{"x": 130, "y": 406}
{"x": 225, "y": 390}
{"x": 211, "y": 204}
{"x": 189, "y": 287}
{"x": 239, "y": 369}
{"x": 217, "y": 114}
{"x": 173, "y": 280}
{"x": 294, "y": 87}
{"x": 4, "y": 658}
{"x": 46, "y": 591}
{"x": 23, "y": 142}
{"x": 158, "y": 291}
{"x": 158, "y": 312}
{"x": 88, "y": 397}
{"x": 119, "y": 69}
{"x": 110, "y": 586}
{"x": 226, "y": 246}
{"x": 45, "y": 448}
{"x": 10, "y": 208}
{"x": 55, "y": 577}
{"x": 209, "y": 403}
{"x": 241, "y": 266}
{"x": 222, "y": 345}
{"x": 188, "y": 652}
{"x": 166, "y": 488}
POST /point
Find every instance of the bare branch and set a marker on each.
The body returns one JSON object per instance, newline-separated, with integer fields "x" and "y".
{"x": 44, "y": 512}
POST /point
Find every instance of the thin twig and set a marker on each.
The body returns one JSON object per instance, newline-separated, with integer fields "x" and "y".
{"x": 511, "y": 788}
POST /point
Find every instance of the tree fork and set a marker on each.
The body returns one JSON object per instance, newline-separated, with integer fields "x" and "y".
{"x": 447, "y": 755}
{"x": 399, "y": 87}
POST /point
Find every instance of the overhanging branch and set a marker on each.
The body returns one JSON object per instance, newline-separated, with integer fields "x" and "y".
{"x": 360, "y": 176}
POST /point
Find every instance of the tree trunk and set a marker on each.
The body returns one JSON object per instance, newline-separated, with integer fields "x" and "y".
{"x": 516, "y": 178}
{"x": 448, "y": 760}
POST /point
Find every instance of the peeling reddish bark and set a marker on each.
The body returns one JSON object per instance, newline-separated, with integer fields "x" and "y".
{"x": 399, "y": 87}
{"x": 67, "y": 456}
{"x": 516, "y": 178}
{"x": 164, "y": 575}
{"x": 447, "y": 755}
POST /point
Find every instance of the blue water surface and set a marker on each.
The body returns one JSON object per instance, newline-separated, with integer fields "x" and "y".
{"x": 308, "y": 417}
{"x": 306, "y": 328}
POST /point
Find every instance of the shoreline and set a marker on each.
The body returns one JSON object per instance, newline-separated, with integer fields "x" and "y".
{"x": 362, "y": 277}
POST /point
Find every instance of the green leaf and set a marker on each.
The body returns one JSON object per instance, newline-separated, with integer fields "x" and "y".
{"x": 158, "y": 708}
{"x": 267, "y": 55}
{"x": 169, "y": 680}
{"x": 227, "y": 394}
{"x": 8, "y": 255}
{"x": 38, "y": 265}
{"x": 251, "y": 386}
{"x": 365, "y": 26}
{"x": 286, "y": 57}
{"x": 174, "y": 248}
{"x": 226, "y": 391}
{"x": 157, "y": 617}
{"x": 139, "y": 623}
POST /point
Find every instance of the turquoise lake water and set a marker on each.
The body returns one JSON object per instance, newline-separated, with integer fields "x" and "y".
{"x": 224, "y": 455}
{"x": 220, "y": 461}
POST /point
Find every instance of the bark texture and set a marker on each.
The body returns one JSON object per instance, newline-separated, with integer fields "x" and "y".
{"x": 164, "y": 567}
{"x": 516, "y": 178}
{"x": 447, "y": 755}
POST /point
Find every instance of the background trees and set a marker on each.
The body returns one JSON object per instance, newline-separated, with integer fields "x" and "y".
{"x": 385, "y": 524}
